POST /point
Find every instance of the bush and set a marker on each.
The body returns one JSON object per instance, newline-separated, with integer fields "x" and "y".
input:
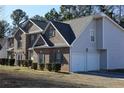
{"x": 4, "y": 61}
{"x": 57, "y": 67}
{"x": 42, "y": 66}
{"x": 49, "y": 66}
{"x": 26, "y": 63}
{"x": 0, "y": 62}
{"x": 11, "y": 62}
{"x": 19, "y": 62}
{"x": 34, "y": 66}
{"x": 29, "y": 62}
{"x": 22, "y": 62}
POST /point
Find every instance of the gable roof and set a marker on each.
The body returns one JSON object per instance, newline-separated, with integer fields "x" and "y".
{"x": 41, "y": 24}
{"x": 40, "y": 37}
{"x": 65, "y": 30}
{"x": 79, "y": 24}
{"x": 19, "y": 29}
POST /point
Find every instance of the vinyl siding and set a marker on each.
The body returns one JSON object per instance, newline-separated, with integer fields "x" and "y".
{"x": 113, "y": 42}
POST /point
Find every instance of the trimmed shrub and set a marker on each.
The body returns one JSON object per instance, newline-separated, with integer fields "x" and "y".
{"x": 26, "y": 63}
{"x": 11, "y": 62}
{"x": 0, "y": 61}
{"x": 49, "y": 66}
{"x": 22, "y": 62}
{"x": 29, "y": 62}
{"x": 19, "y": 62}
{"x": 4, "y": 61}
{"x": 42, "y": 66}
{"x": 34, "y": 66}
{"x": 57, "y": 67}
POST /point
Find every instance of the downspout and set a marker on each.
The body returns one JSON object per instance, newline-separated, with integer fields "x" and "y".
{"x": 70, "y": 59}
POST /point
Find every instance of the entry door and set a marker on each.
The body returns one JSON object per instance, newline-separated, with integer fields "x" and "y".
{"x": 41, "y": 58}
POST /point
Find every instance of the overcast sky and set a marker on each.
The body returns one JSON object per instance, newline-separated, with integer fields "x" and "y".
{"x": 31, "y": 10}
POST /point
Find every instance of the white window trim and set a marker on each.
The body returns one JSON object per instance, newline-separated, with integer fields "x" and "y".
{"x": 35, "y": 25}
{"x": 38, "y": 39}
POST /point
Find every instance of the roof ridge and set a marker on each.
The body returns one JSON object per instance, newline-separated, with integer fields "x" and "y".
{"x": 60, "y": 22}
{"x": 77, "y": 18}
{"x": 38, "y": 20}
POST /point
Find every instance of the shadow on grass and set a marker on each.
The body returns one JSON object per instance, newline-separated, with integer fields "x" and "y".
{"x": 63, "y": 72}
{"x": 20, "y": 81}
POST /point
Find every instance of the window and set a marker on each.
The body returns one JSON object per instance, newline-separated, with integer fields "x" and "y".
{"x": 51, "y": 32}
{"x": 30, "y": 54}
{"x": 19, "y": 42}
{"x": 92, "y": 37}
{"x": 59, "y": 56}
{"x": 41, "y": 57}
{"x": 11, "y": 43}
{"x": 32, "y": 37}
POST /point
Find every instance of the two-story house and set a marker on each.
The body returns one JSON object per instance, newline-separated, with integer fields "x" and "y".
{"x": 84, "y": 44}
{"x": 3, "y": 47}
{"x": 10, "y": 48}
{"x": 25, "y": 37}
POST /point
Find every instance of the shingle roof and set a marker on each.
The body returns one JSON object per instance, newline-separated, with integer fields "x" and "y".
{"x": 41, "y": 24}
{"x": 65, "y": 31}
{"x": 47, "y": 40}
{"x": 79, "y": 24}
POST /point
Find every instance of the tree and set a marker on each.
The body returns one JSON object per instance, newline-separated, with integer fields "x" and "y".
{"x": 4, "y": 28}
{"x": 52, "y": 15}
{"x": 18, "y": 16}
{"x": 74, "y": 11}
{"x": 108, "y": 10}
{"x": 40, "y": 18}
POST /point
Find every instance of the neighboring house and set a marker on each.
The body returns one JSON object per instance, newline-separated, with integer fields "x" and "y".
{"x": 3, "y": 47}
{"x": 25, "y": 37}
{"x": 10, "y": 47}
{"x": 53, "y": 45}
{"x": 84, "y": 44}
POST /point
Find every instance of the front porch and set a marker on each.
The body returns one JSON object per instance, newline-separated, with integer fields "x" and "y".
{"x": 45, "y": 56}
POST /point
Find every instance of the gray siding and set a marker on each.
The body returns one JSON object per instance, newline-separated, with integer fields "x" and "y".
{"x": 99, "y": 34}
{"x": 113, "y": 42}
{"x": 84, "y": 40}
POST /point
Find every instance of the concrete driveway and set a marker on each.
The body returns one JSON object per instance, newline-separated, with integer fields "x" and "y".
{"x": 105, "y": 74}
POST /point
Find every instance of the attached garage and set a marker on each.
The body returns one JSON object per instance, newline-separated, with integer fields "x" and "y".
{"x": 88, "y": 61}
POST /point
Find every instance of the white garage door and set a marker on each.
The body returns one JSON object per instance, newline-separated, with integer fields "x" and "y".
{"x": 78, "y": 62}
{"x": 85, "y": 62}
{"x": 92, "y": 61}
